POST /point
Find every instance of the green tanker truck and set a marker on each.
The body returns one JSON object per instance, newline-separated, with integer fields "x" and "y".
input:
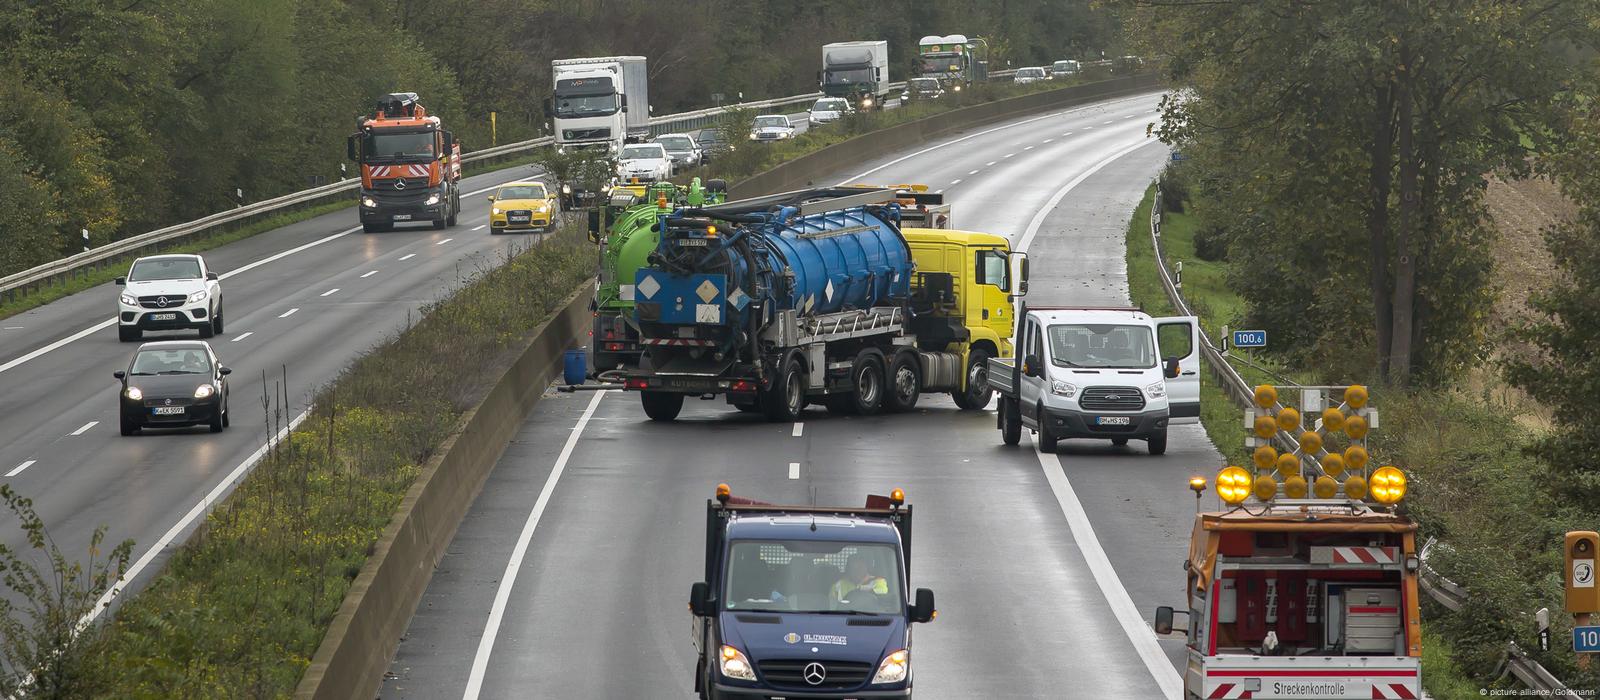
{"x": 631, "y": 215}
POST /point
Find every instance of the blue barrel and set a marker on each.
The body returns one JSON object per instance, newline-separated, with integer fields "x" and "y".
{"x": 576, "y": 368}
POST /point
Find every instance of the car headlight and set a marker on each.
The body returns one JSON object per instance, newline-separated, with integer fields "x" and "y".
{"x": 198, "y": 297}
{"x": 1060, "y": 388}
{"x": 566, "y": 189}
{"x": 134, "y": 393}
{"x": 735, "y": 665}
{"x": 605, "y": 188}
{"x": 866, "y": 102}
{"x": 432, "y": 200}
{"x": 204, "y": 391}
{"x": 128, "y": 300}
{"x": 958, "y": 88}
{"x": 494, "y": 210}
{"x": 369, "y": 203}
{"x": 1156, "y": 390}
{"x": 754, "y": 136}
{"x": 893, "y": 668}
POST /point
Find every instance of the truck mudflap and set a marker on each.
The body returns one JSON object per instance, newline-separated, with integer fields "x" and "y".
{"x": 1309, "y": 678}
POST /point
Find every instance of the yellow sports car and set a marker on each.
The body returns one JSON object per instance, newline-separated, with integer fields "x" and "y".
{"x": 522, "y": 206}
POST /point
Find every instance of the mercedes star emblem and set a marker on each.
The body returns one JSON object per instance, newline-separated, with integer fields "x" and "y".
{"x": 161, "y": 302}
{"x": 169, "y": 402}
{"x": 815, "y": 673}
{"x": 399, "y": 184}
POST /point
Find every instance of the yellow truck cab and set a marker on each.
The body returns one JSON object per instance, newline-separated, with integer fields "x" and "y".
{"x": 973, "y": 318}
{"x": 1306, "y": 586}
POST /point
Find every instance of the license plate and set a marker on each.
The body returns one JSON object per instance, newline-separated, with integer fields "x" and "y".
{"x": 1112, "y": 420}
{"x": 691, "y": 384}
{"x": 163, "y": 317}
{"x": 167, "y": 410}
{"x": 402, "y": 217}
{"x": 519, "y": 219}
{"x": 701, "y": 242}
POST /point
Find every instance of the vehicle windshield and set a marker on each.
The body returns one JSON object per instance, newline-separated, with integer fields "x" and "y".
{"x": 846, "y": 76}
{"x": 771, "y": 121}
{"x": 831, "y": 104}
{"x": 171, "y": 361}
{"x": 676, "y": 144}
{"x": 925, "y": 84}
{"x": 1102, "y": 346}
{"x": 941, "y": 64}
{"x": 1030, "y": 73}
{"x": 165, "y": 269}
{"x": 530, "y": 191}
{"x": 814, "y": 576}
{"x": 572, "y": 106}
{"x": 1064, "y": 65}
{"x": 393, "y": 146}
{"x": 638, "y": 151}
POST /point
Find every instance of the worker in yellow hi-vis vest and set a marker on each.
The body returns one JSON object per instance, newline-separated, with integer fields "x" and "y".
{"x": 858, "y": 576}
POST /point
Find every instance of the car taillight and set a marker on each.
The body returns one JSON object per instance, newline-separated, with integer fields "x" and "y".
{"x": 638, "y": 383}
{"x": 613, "y": 346}
{"x": 743, "y": 385}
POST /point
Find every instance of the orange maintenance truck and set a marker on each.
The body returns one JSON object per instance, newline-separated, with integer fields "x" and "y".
{"x": 1304, "y": 595}
{"x": 410, "y": 166}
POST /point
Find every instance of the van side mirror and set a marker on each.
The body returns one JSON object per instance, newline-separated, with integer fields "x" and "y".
{"x": 700, "y": 599}
{"x": 449, "y": 141}
{"x": 922, "y": 610}
{"x": 224, "y": 371}
{"x": 1163, "y": 621}
{"x": 549, "y": 109}
{"x": 121, "y": 281}
{"x": 119, "y": 374}
{"x": 1169, "y": 367}
{"x": 212, "y": 276}
{"x": 350, "y": 149}
{"x": 491, "y": 198}
{"x": 1031, "y": 366}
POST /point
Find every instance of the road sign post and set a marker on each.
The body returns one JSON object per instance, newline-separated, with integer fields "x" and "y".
{"x": 1249, "y": 339}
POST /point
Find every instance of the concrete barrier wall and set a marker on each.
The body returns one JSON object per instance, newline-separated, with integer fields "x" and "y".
{"x": 805, "y": 170}
{"x": 366, "y": 631}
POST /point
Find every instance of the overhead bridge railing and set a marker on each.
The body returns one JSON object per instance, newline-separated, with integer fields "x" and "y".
{"x": 1442, "y": 590}
{"x": 59, "y": 271}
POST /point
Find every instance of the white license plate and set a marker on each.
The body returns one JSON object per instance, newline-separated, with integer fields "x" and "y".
{"x": 163, "y": 317}
{"x": 1112, "y": 420}
{"x": 402, "y": 217}
{"x": 692, "y": 242}
{"x": 167, "y": 410}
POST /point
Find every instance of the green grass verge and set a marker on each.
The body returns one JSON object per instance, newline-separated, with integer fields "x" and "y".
{"x": 244, "y": 604}
{"x": 1469, "y": 473}
{"x": 90, "y": 278}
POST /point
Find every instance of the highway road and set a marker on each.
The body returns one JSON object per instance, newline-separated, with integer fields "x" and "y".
{"x": 570, "y": 575}
{"x": 310, "y": 296}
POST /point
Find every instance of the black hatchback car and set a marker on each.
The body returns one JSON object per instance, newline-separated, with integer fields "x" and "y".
{"x": 171, "y": 384}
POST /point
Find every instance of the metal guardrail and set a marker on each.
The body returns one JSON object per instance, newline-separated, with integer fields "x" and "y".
{"x": 1442, "y": 590}
{"x": 11, "y": 284}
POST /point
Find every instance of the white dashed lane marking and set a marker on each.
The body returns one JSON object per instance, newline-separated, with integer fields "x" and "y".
{"x": 289, "y": 313}
{"x": 86, "y": 427}
{"x": 798, "y": 428}
{"x": 408, "y": 257}
{"x": 479, "y": 227}
{"x": 447, "y": 240}
{"x": 331, "y": 292}
{"x": 19, "y": 468}
{"x": 956, "y": 181}
{"x": 369, "y": 274}
{"x": 242, "y": 336}
{"x": 794, "y": 470}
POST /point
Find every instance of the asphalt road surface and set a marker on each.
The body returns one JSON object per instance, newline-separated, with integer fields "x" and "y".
{"x": 311, "y": 297}
{"x": 1047, "y": 568}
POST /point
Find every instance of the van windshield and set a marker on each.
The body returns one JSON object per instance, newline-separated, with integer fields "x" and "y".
{"x": 813, "y": 576}
{"x": 1102, "y": 346}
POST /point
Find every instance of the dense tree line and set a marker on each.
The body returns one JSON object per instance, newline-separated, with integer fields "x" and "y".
{"x": 1342, "y": 149}
{"x": 119, "y": 117}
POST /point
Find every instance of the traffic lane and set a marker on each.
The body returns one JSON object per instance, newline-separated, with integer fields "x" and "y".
{"x": 1020, "y": 615}
{"x": 1140, "y": 505}
{"x": 141, "y": 485}
{"x": 598, "y": 607}
{"x": 41, "y": 326}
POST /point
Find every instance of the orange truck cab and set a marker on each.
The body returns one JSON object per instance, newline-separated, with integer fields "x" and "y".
{"x": 1306, "y": 589}
{"x": 410, "y": 166}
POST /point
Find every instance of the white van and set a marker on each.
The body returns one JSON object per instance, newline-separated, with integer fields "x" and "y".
{"x": 1101, "y": 373}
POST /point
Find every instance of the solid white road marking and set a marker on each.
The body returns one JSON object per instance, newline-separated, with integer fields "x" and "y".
{"x": 447, "y": 240}
{"x": 13, "y": 328}
{"x": 491, "y": 628}
{"x": 1038, "y": 218}
{"x": 330, "y": 292}
{"x": 198, "y": 510}
{"x": 479, "y": 227}
{"x": 19, "y": 468}
{"x": 1139, "y": 634}
{"x": 289, "y": 313}
{"x": 798, "y": 427}
{"x": 75, "y": 336}
{"x": 794, "y": 470}
{"x": 242, "y": 336}
{"x": 86, "y": 427}
{"x": 408, "y": 257}
{"x": 369, "y": 274}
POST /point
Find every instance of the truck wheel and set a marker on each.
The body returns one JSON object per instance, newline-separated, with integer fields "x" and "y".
{"x": 1047, "y": 442}
{"x": 867, "y": 375}
{"x": 1010, "y": 421}
{"x": 1158, "y": 443}
{"x": 905, "y": 383}
{"x": 977, "y": 393}
{"x": 661, "y": 406}
{"x": 455, "y": 210}
{"x": 782, "y": 402}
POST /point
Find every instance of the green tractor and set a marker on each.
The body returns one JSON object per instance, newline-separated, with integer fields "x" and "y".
{"x": 630, "y": 216}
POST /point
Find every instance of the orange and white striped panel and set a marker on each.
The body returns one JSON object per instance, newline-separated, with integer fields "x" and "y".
{"x": 1355, "y": 555}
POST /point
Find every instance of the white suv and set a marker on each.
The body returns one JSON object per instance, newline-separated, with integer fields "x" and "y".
{"x": 169, "y": 292}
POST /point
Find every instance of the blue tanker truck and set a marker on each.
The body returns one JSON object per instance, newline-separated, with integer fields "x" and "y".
{"x": 819, "y": 296}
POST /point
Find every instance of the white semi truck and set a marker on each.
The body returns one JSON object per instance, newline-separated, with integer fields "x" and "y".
{"x": 599, "y": 101}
